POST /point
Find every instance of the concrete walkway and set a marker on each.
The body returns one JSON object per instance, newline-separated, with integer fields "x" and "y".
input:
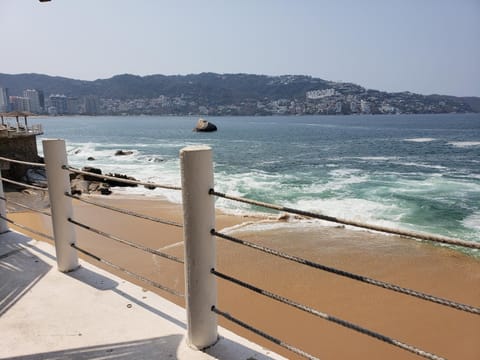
{"x": 90, "y": 313}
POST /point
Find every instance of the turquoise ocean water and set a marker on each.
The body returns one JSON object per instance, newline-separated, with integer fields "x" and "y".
{"x": 419, "y": 172}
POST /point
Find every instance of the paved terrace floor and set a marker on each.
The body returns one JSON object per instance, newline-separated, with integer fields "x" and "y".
{"x": 90, "y": 313}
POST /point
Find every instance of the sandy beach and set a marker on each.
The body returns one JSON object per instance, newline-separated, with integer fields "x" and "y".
{"x": 421, "y": 266}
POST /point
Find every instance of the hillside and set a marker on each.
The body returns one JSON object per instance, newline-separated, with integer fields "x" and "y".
{"x": 235, "y": 94}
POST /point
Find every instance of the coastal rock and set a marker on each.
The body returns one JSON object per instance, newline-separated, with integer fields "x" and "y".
{"x": 79, "y": 186}
{"x": 204, "y": 126}
{"x": 123, "y": 152}
{"x": 93, "y": 170}
{"x": 90, "y": 158}
{"x": 114, "y": 183}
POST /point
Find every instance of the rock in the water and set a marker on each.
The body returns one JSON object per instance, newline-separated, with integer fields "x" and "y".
{"x": 204, "y": 126}
{"x": 123, "y": 152}
{"x": 90, "y": 158}
{"x": 114, "y": 183}
{"x": 93, "y": 170}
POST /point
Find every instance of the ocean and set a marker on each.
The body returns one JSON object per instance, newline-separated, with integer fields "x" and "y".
{"x": 417, "y": 172}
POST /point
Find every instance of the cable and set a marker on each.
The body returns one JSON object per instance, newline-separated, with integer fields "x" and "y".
{"x": 126, "y": 212}
{"x": 127, "y": 242}
{"x": 327, "y": 317}
{"x": 136, "y": 276}
{"x": 411, "y": 234}
{"x": 364, "y": 279}
{"x": 126, "y": 181}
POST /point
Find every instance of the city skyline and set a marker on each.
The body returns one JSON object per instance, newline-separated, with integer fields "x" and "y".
{"x": 424, "y": 47}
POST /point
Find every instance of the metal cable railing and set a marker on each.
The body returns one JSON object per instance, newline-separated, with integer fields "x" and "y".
{"x": 128, "y": 272}
{"x": 263, "y": 334}
{"x": 33, "y": 231}
{"x": 378, "y": 283}
{"x": 268, "y": 294}
{"x": 26, "y": 206}
{"x": 325, "y": 316}
{"x": 121, "y": 180}
{"x": 126, "y": 212}
{"x": 126, "y": 242}
{"x": 411, "y": 234}
{"x": 22, "y": 162}
{"x": 22, "y": 184}
{"x": 361, "y": 278}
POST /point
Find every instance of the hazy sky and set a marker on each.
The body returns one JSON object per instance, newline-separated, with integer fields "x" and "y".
{"x": 424, "y": 46}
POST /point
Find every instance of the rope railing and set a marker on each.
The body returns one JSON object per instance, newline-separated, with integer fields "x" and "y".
{"x": 21, "y": 162}
{"x": 197, "y": 247}
{"x": 263, "y": 334}
{"x": 25, "y": 206}
{"x": 33, "y": 231}
{"x": 128, "y": 272}
{"x": 325, "y": 316}
{"x": 121, "y": 180}
{"x": 22, "y": 184}
{"x": 359, "y": 224}
{"x": 126, "y": 212}
{"x": 126, "y": 242}
{"x": 360, "y": 278}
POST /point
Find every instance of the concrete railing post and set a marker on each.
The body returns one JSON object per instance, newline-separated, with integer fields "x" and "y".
{"x": 200, "y": 254}
{"x": 58, "y": 184}
{"x": 3, "y": 209}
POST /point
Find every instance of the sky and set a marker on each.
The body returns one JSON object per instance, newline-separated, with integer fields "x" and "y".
{"x": 422, "y": 46}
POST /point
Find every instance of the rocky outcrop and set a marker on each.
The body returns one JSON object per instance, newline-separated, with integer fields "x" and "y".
{"x": 89, "y": 184}
{"x": 123, "y": 152}
{"x": 204, "y": 126}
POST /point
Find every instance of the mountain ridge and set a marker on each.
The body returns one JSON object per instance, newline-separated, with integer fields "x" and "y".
{"x": 243, "y": 93}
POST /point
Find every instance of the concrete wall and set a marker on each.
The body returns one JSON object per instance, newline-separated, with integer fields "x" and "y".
{"x": 19, "y": 148}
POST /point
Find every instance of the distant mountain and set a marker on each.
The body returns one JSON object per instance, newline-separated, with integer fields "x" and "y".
{"x": 238, "y": 94}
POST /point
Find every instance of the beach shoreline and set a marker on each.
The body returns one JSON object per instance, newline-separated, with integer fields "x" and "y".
{"x": 421, "y": 266}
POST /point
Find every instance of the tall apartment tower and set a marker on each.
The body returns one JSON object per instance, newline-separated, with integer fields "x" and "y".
{"x": 4, "y": 103}
{"x": 34, "y": 100}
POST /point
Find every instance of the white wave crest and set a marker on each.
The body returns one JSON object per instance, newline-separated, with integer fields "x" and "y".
{"x": 472, "y": 221}
{"x": 464, "y": 144}
{"x": 420, "y": 140}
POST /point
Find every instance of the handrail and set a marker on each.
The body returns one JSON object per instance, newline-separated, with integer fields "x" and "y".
{"x": 128, "y": 272}
{"x": 117, "y": 179}
{"x": 33, "y": 231}
{"x": 384, "y": 229}
{"x": 126, "y": 212}
{"x": 26, "y": 206}
{"x": 360, "y": 278}
{"x": 22, "y": 162}
{"x": 194, "y": 205}
{"x": 127, "y": 242}
{"x": 323, "y": 316}
{"x": 22, "y": 184}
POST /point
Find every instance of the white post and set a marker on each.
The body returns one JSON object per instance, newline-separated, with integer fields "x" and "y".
{"x": 200, "y": 254}
{"x": 3, "y": 209}
{"x": 58, "y": 184}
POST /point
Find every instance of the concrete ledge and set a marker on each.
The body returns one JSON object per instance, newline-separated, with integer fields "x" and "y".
{"x": 90, "y": 313}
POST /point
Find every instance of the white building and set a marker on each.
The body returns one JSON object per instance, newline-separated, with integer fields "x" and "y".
{"x": 318, "y": 94}
{"x": 365, "y": 107}
{"x": 34, "y": 98}
{"x": 19, "y": 103}
{"x": 4, "y": 104}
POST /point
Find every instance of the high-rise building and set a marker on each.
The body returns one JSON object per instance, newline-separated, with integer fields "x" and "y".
{"x": 34, "y": 98}
{"x": 91, "y": 105}
{"x": 4, "y": 100}
{"x": 19, "y": 103}
{"x": 58, "y": 104}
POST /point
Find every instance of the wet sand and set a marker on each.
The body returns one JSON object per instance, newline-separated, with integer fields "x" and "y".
{"x": 435, "y": 270}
